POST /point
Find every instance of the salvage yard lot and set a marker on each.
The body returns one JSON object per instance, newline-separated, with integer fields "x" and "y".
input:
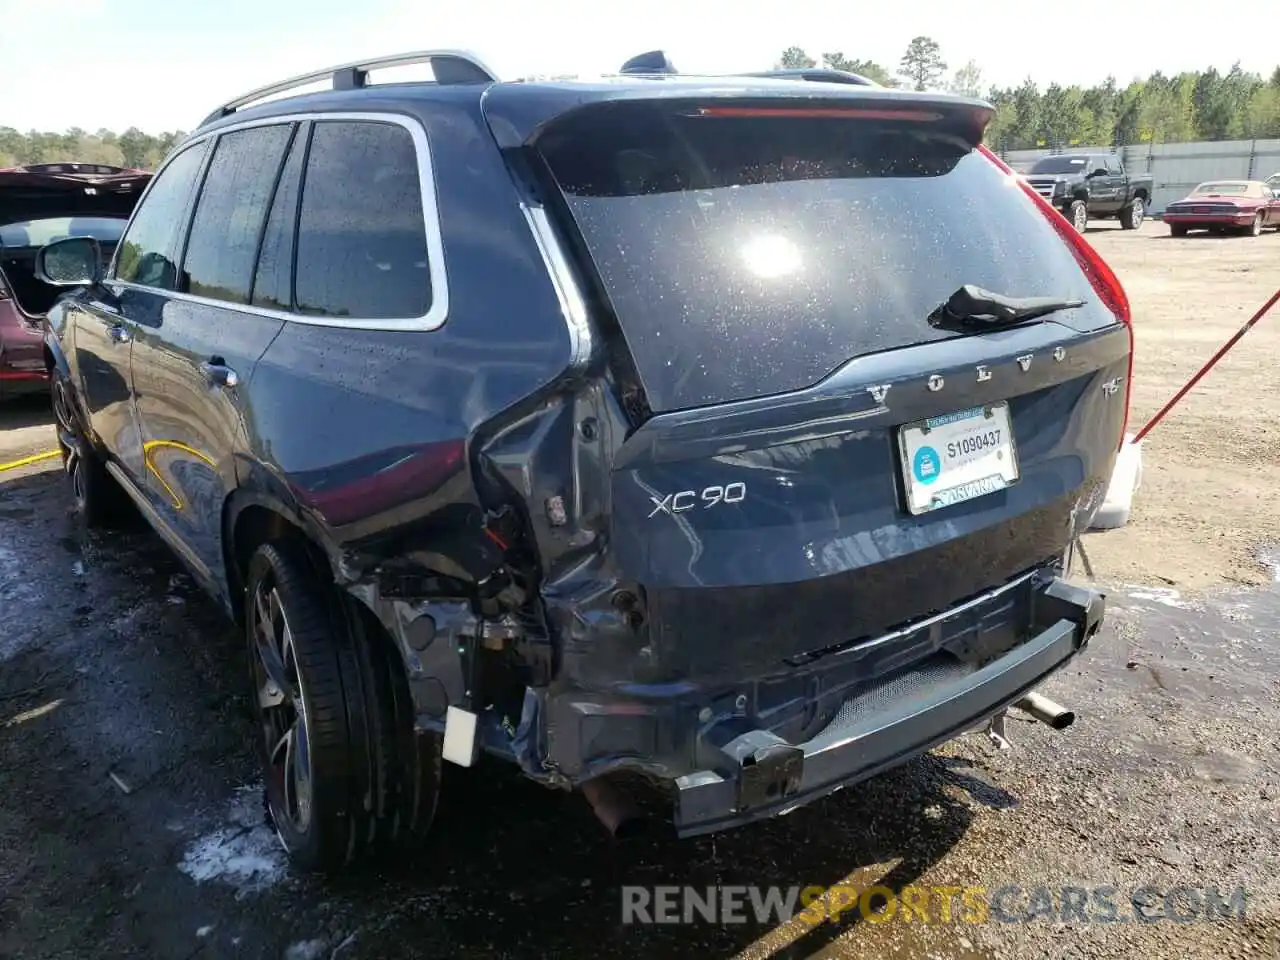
{"x": 130, "y": 823}
{"x": 1208, "y": 500}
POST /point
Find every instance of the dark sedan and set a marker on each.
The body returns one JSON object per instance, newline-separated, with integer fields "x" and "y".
{"x": 39, "y": 204}
{"x": 1242, "y": 206}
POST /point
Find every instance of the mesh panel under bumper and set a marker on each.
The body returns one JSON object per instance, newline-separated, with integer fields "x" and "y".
{"x": 884, "y": 725}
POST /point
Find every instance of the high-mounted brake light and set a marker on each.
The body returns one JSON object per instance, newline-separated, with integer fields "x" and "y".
{"x": 820, "y": 113}
{"x": 1105, "y": 283}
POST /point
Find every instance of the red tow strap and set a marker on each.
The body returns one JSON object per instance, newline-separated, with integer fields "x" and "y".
{"x": 1208, "y": 366}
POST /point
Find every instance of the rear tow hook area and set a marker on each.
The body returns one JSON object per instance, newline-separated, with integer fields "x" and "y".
{"x": 1060, "y": 600}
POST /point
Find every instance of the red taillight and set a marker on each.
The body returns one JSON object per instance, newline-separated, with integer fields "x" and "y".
{"x": 1105, "y": 283}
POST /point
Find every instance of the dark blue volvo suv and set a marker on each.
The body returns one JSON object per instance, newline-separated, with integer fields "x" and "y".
{"x": 724, "y": 435}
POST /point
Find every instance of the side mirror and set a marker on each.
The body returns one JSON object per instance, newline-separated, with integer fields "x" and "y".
{"x": 72, "y": 262}
{"x": 1100, "y": 172}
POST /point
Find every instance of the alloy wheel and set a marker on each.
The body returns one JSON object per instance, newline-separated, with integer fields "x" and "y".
{"x": 1080, "y": 218}
{"x": 282, "y": 710}
{"x": 1139, "y": 213}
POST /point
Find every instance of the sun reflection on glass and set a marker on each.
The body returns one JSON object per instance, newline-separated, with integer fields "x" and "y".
{"x": 771, "y": 256}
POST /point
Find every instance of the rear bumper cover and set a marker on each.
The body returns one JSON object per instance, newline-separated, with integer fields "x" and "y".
{"x": 725, "y": 765}
{"x": 774, "y": 778}
{"x": 1209, "y": 219}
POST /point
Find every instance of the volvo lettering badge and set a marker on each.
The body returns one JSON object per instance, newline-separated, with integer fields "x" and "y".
{"x": 685, "y": 500}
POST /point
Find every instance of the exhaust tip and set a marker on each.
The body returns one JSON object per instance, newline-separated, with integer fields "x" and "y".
{"x": 633, "y": 828}
{"x": 616, "y": 810}
{"x": 1063, "y": 720}
{"x": 1051, "y": 714}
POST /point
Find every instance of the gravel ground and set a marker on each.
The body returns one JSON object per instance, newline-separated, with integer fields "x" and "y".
{"x": 131, "y": 824}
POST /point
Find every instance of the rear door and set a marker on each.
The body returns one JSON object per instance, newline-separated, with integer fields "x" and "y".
{"x": 1119, "y": 182}
{"x": 193, "y": 358}
{"x": 1104, "y": 188}
{"x": 820, "y": 462}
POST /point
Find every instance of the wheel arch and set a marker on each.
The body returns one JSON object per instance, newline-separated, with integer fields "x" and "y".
{"x": 253, "y": 515}
{"x": 54, "y": 359}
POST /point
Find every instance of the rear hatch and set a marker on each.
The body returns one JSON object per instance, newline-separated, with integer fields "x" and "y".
{"x": 69, "y": 190}
{"x": 818, "y": 463}
{"x": 46, "y": 202}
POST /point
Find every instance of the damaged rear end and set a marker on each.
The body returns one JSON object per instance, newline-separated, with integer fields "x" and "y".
{"x": 787, "y": 525}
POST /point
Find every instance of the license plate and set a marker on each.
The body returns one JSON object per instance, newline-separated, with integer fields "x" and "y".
{"x": 958, "y": 456}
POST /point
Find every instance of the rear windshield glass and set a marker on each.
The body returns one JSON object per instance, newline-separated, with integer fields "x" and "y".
{"x": 1060, "y": 165}
{"x": 36, "y": 233}
{"x": 1225, "y": 189}
{"x": 752, "y": 255}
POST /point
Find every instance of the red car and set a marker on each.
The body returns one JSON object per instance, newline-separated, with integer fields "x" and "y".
{"x": 1243, "y": 206}
{"x": 41, "y": 203}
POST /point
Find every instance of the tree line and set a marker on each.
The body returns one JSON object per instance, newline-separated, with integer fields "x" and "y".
{"x": 133, "y": 148}
{"x": 1200, "y": 105}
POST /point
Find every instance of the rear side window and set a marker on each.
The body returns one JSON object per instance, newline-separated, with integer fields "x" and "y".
{"x": 231, "y": 211}
{"x": 748, "y": 253}
{"x": 147, "y": 251}
{"x": 362, "y": 248}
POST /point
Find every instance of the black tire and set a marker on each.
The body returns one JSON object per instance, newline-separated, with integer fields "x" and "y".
{"x": 1178, "y": 229}
{"x": 98, "y": 498}
{"x": 1131, "y": 217}
{"x": 1078, "y": 214}
{"x": 346, "y": 776}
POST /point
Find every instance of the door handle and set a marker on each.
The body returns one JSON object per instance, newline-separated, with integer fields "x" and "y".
{"x": 219, "y": 374}
{"x": 119, "y": 333}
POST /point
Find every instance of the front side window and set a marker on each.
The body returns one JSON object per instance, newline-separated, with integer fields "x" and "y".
{"x": 147, "y": 252}
{"x": 362, "y": 247}
{"x": 230, "y": 213}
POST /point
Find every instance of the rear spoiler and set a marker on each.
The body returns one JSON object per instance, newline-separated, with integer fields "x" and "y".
{"x": 518, "y": 113}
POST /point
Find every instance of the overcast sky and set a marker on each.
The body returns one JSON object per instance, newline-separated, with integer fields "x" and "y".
{"x": 163, "y": 64}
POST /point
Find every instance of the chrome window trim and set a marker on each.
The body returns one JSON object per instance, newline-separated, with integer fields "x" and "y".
{"x": 573, "y": 305}
{"x": 438, "y": 310}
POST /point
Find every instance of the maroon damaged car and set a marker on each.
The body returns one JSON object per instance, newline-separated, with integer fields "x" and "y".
{"x": 41, "y": 203}
{"x": 1239, "y": 206}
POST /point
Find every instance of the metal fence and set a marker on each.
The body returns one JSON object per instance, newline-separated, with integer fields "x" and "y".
{"x": 1177, "y": 167}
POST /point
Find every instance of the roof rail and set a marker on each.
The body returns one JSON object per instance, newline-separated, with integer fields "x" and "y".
{"x": 449, "y": 66}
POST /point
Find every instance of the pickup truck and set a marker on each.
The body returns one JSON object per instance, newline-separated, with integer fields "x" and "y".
{"x": 1091, "y": 185}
